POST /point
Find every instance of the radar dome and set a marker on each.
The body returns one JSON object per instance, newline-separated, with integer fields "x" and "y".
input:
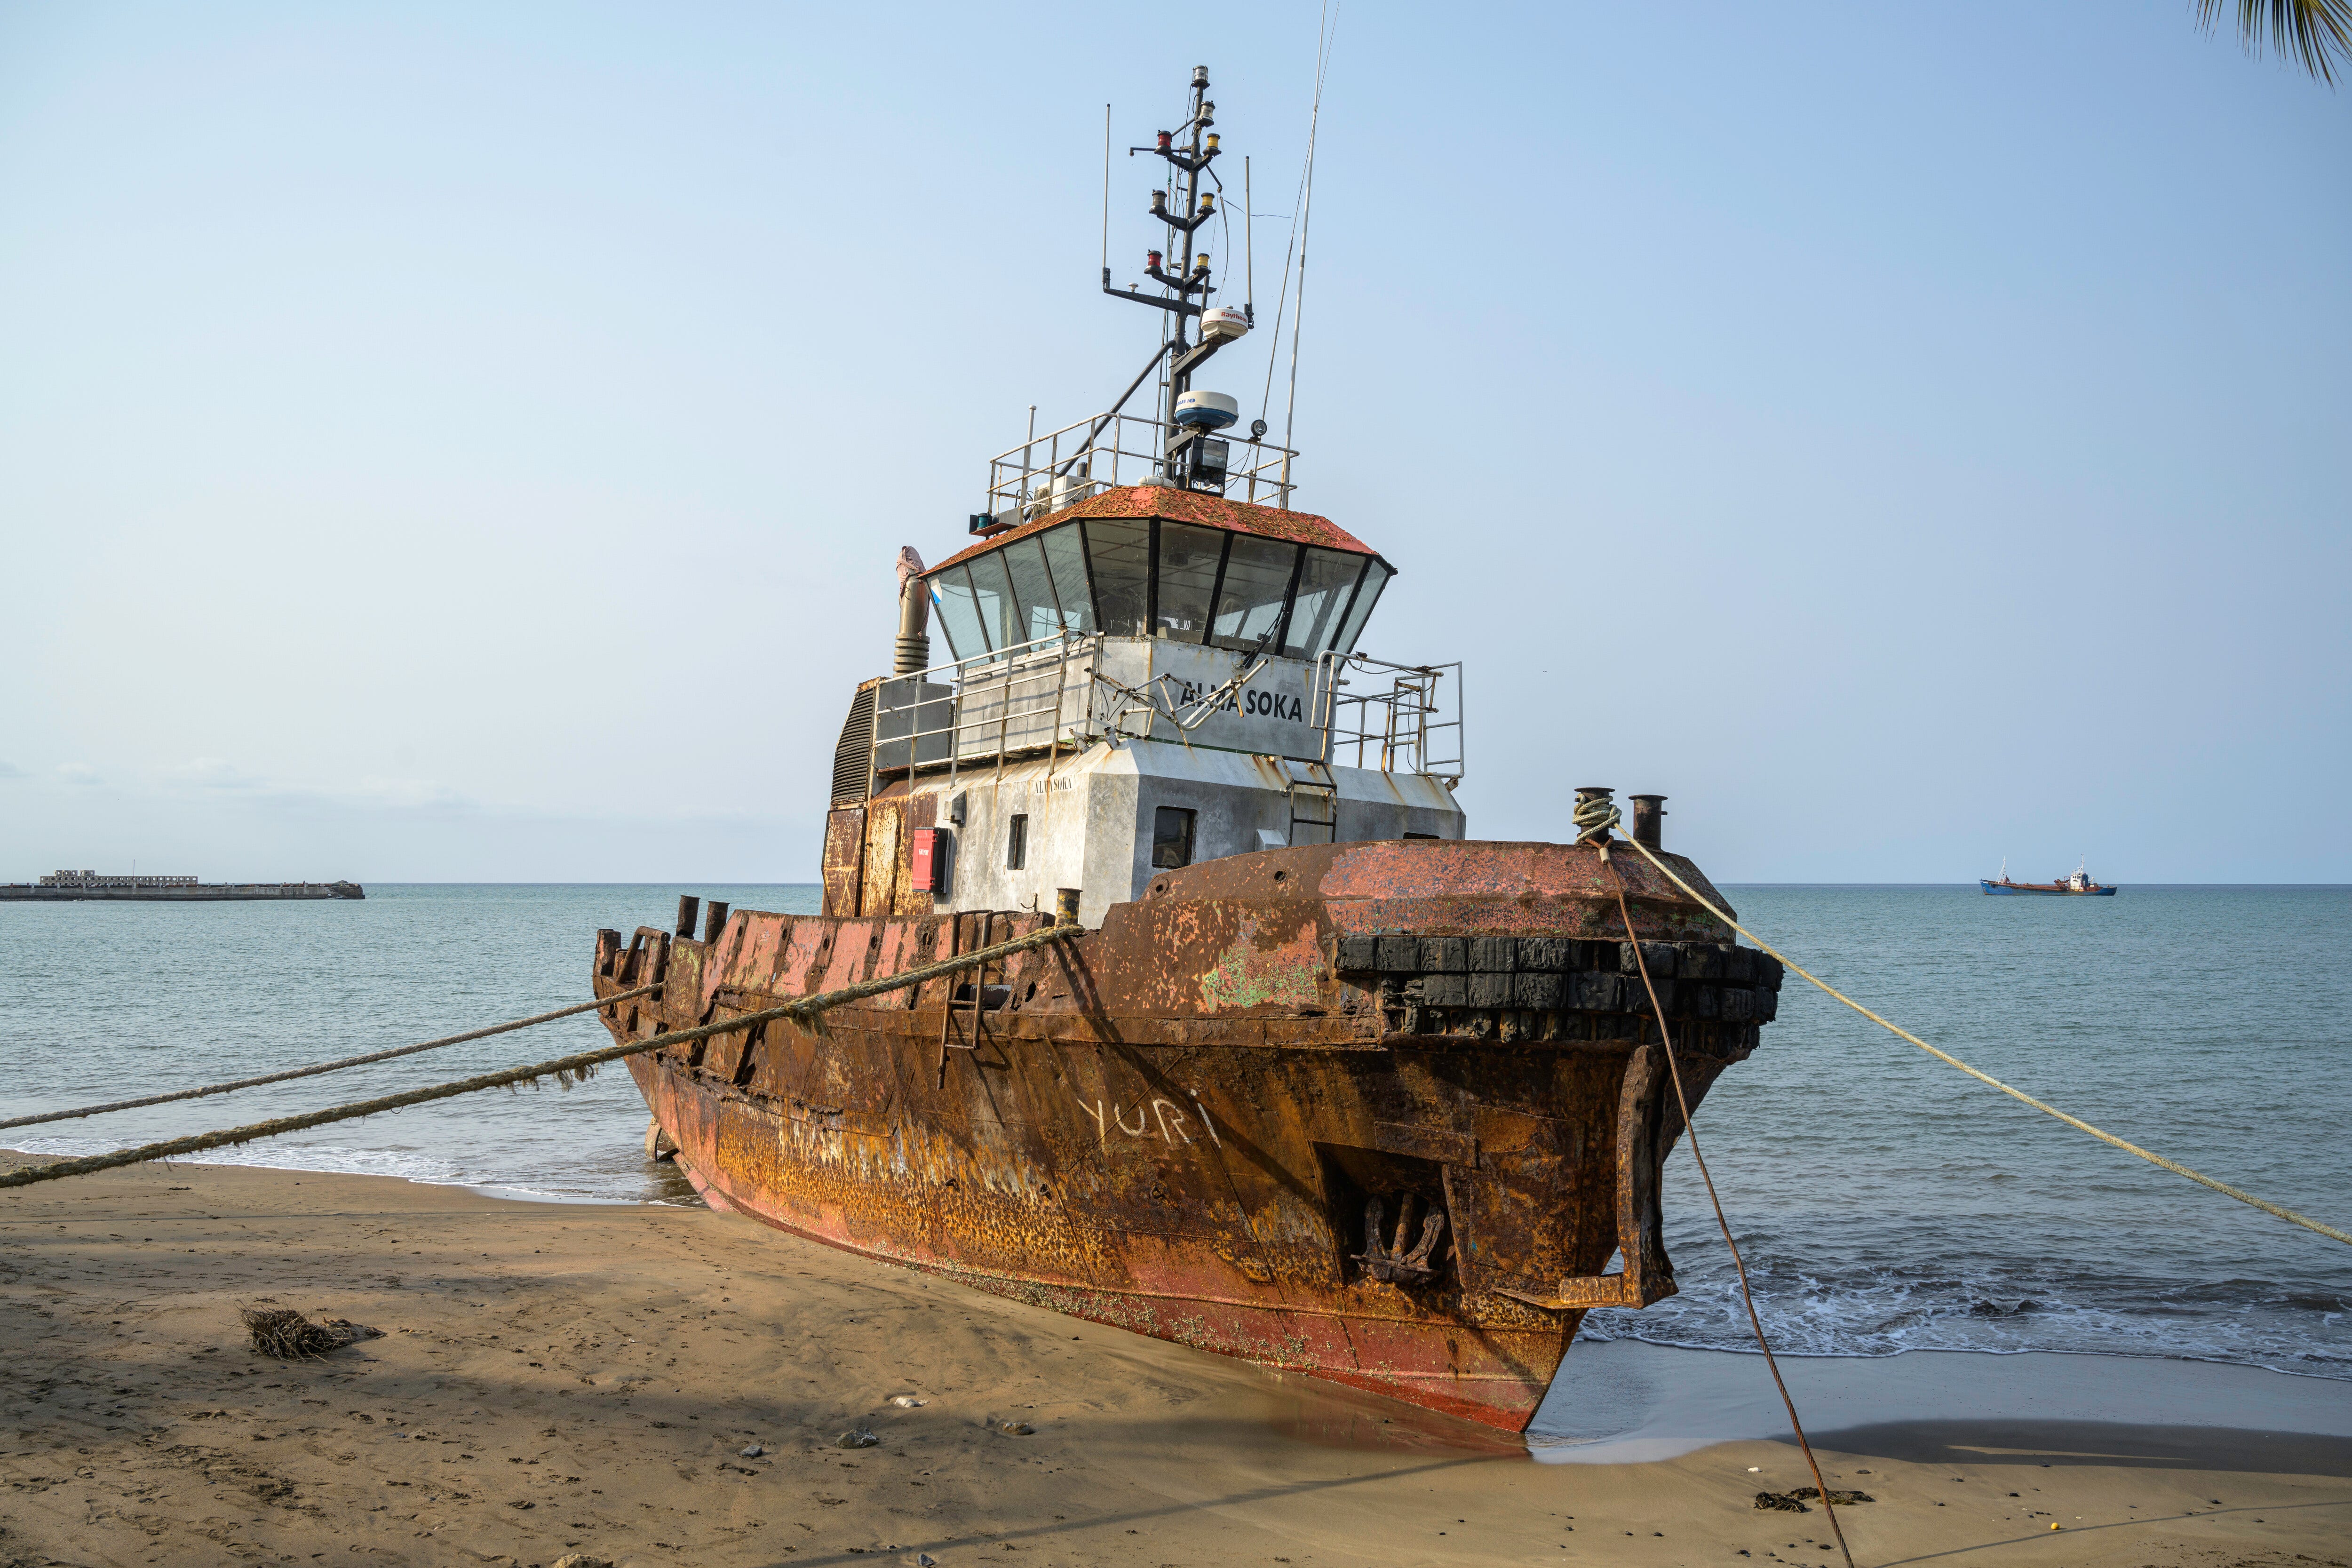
{"x": 1206, "y": 410}
{"x": 1223, "y": 321}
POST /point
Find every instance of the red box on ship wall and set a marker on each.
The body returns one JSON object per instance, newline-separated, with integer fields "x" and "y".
{"x": 930, "y": 860}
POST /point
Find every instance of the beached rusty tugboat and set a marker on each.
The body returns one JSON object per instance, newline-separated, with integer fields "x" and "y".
{"x": 1322, "y": 1082}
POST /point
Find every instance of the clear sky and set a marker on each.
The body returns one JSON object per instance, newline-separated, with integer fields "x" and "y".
{"x": 465, "y": 442}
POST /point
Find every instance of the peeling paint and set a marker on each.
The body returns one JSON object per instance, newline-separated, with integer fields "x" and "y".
{"x": 1249, "y": 975}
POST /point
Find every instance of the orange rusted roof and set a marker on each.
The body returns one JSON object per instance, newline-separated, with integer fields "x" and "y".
{"x": 1185, "y": 506}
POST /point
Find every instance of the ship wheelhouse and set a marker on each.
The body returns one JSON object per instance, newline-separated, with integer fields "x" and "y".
{"x": 1168, "y": 564}
{"x": 1145, "y": 679}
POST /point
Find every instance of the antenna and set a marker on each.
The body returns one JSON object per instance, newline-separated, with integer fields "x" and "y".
{"x": 1249, "y": 246}
{"x": 1306, "y": 217}
{"x": 1180, "y": 206}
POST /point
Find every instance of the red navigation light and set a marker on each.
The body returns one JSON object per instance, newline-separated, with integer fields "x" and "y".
{"x": 1151, "y": 260}
{"x": 1166, "y": 137}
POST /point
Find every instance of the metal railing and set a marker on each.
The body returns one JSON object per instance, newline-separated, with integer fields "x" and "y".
{"x": 982, "y": 710}
{"x": 1414, "y": 726}
{"x": 1051, "y": 693}
{"x": 1061, "y": 468}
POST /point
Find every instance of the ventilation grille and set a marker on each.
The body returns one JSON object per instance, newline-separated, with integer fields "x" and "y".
{"x": 853, "y": 759}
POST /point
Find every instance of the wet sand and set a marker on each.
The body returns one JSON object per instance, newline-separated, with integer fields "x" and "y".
{"x": 559, "y": 1379}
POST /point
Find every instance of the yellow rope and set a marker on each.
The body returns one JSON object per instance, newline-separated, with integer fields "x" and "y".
{"x": 1594, "y": 818}
{"x": 1690, "y": 1130}
{"x": 2076, "y": 1122}
{"x": 316, "y": 1068}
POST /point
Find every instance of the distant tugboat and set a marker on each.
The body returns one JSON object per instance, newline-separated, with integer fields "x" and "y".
{"x": 2078, "y": 886}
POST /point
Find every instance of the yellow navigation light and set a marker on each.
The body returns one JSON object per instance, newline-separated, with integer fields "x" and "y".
{"x": 1212, "y": 140}
{"x": 1208, "y": 201}
{"x": 1200, "y": 262}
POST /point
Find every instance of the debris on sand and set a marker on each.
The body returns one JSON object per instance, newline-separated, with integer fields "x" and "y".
{"x": 1794, "y": 1502}
{"x": 287, "y": 1335}
{"x": 907, "y": 1401}
{"x": 856, "y": 1438}
{"x": 1012, "y": 1428}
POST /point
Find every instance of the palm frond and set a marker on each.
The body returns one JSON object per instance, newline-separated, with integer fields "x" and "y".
{"x": 2316, "y": 32}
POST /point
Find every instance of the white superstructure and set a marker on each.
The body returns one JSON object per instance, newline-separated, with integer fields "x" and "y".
{"x": 1179, "y": 691}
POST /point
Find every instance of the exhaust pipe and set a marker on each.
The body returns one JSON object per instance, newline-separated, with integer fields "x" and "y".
{"x": 914, "y": 646}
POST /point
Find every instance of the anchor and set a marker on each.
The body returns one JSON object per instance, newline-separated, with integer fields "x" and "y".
{"x": 1392, "y": 1263}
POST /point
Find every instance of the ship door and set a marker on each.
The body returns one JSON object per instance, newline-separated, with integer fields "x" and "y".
{"x": 844, "y": 860}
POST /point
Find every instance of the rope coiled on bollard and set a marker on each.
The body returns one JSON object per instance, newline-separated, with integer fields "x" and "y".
{"x": 1592, "y": 820}
{"x": 317, "y": 1068}
{"x": 806, "y": 1007}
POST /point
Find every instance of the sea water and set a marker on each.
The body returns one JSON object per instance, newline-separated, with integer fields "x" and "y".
{"x": 101, "y": 1002}
{"x": 1884, "y": 1202}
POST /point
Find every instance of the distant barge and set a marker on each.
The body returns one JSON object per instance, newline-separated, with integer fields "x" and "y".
{"x": 60, "y": 886}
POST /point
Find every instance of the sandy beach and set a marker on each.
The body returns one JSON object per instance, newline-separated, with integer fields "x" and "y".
{"x": 648, "y": 1384}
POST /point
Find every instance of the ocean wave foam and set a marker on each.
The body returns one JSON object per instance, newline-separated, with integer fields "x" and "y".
{"x": 401, "y": 1164}
{"x": 1887, "y": 1311}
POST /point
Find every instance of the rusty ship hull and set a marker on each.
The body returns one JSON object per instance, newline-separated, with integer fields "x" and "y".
{"x": 1376, "y": 1112}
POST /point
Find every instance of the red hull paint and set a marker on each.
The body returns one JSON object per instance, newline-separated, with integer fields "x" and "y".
{"x": 1421, "y": 1364}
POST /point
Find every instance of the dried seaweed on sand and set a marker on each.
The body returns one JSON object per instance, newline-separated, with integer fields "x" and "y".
{"x": 283, "y": 1332}
{"x": 1794, "y": 1502}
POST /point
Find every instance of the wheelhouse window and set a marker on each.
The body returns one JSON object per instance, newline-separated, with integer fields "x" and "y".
{"x": 1118, "y": 557}
{"x": 1171, "y": 837}
{"x": 1326, "y": 584}
{"x": 1177, "y": 581}
{"x": 1189, "y": 559}
{"x": 1030, "y": 590}
{"x": 1368, "y": 594}
{"x": 1257, "y": 584}
{"x": 1037, "y": 612}
{"x": 1016, "y": 844}
{"x": 993, "y": 594}
{"x": 959, "y": 609}
{"x": 1065, "y": 562}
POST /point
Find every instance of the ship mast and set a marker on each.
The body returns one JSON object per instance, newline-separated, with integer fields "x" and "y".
{"x": 1184, "y": 272}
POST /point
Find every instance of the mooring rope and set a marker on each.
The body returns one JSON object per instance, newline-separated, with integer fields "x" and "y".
{"x": 2175, "y": 1166}
{"x": 317, "y": 1068}
{"x": 808, "y": 1007}
{"x": 1592, "y": 820}
{"x": 1674, "y": 1069}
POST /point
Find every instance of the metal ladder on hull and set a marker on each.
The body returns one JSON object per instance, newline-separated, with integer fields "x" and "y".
{"x": 1314, "y": 802}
